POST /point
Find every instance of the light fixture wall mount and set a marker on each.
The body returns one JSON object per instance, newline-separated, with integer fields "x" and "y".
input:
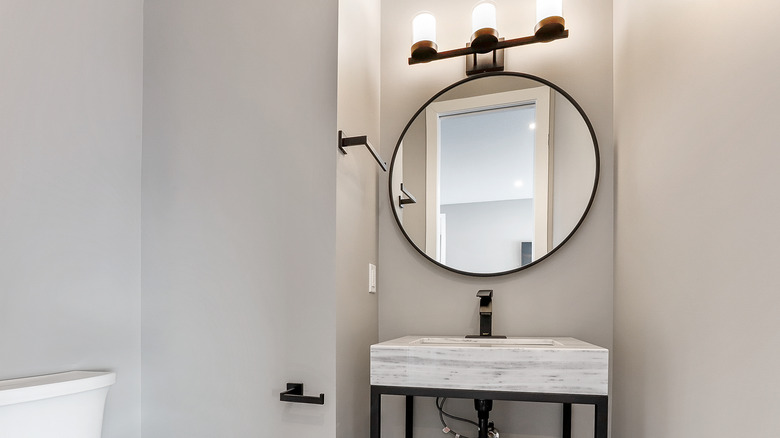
{"x": 485, "y": 50}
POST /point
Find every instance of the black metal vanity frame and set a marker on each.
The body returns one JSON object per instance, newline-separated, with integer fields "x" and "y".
{"x": 600, "y": 403}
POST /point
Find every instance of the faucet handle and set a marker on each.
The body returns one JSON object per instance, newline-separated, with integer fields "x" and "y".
{"x": 485, "y": 301}
{"x": 485, "y": 293}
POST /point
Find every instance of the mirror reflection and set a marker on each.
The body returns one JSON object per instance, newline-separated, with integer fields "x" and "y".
{"x": 502, "y": 169}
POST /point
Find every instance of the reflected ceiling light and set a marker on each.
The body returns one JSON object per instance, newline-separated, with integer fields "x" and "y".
{"x": 518, "y": 184}
{"x": 532, "y": 126}
{"x": 485, "y": 40}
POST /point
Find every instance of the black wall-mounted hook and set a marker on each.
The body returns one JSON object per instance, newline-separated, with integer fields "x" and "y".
{"x": 410, "y": 198}
{"x": 294, "y": 394}
{"x": 361, "y": 140}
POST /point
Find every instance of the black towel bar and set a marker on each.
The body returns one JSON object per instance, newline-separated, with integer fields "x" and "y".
{"x": 294, "y": 394}
{"x": 361, "y": 140}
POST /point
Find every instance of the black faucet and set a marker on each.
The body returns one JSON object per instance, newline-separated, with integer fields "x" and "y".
{"x": 485, "y": 315}
{"x": 484, "y": 407}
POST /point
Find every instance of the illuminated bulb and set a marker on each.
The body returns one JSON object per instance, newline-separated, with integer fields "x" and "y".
{"x": 548, "y": 8}
{"x": 549, "y": 17}
{"x": 483, "y": 23}
{"x": 424, "y": 36}
{"x": 483, "y": 16}
{"x": 532, "y": 126}
{"x": 423, "y": 27}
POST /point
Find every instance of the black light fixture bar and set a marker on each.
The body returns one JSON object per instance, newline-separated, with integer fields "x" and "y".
{"x": 498, "y": 45}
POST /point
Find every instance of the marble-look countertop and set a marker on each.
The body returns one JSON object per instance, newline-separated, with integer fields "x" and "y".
{"x": 547, "y": 365}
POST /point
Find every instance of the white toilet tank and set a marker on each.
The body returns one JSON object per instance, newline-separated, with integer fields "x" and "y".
{"x": 63, "y": 405}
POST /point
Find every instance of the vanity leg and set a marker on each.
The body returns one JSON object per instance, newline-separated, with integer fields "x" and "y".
{"x": 567, "y": 420}
{"x": 376, "y": 413}
{"x": 602, "y": 422}
{"x": 409, "y": 416}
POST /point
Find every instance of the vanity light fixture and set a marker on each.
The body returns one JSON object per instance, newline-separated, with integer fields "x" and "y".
{"x": 485, "y": 40}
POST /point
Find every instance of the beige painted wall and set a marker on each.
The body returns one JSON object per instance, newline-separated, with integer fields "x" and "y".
{"x": 70, "y": 204}
{"x": 697, "y": 333}
{"x": 356, "y": 212}
{"x": 568, "y": 294}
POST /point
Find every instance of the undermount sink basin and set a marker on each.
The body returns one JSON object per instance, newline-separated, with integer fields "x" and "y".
{"x": 527, "y": 364}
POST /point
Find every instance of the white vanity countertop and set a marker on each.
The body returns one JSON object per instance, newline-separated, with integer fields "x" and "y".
{"x": 518, "y": 364}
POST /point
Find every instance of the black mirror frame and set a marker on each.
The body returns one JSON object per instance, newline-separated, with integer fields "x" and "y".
{"x": 463, "y": 81}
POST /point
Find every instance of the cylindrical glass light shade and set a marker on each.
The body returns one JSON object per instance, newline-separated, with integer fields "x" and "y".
{"x": 424, "y": 47}
{"x": 423, "y": 27}
{"x": 483, "y": 16}
{"x": 548, "y": 8}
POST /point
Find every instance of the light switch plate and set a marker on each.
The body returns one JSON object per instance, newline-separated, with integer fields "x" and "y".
{"x": 371, "y": 278}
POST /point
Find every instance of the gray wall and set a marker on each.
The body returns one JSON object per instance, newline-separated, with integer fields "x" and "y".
{"x": 356, "y": 213}
{"x": 697, "y": 333}
{"x": 573, "y": 168}
{"x": 473, "y": 247}
{"x": 70, "y": 207}
{"x": 239, "y": 219}
{"x": 569, "y": 294}
{"x": 413, "y": 175}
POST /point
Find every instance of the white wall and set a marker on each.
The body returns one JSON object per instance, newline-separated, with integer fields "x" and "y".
{"x": 239, "y": 222}
{"x": 697, "y": 333}
{"x": 356, "y": 213}
{"x": 568, "y": 294}
{"x": 70, "y": 208}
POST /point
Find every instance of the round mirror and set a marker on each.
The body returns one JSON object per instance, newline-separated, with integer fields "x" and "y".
{"x": 494, "y": 173}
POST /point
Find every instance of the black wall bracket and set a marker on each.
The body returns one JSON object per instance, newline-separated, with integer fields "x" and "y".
{"x": 409, "y": 200}
{"x": 294, "y": 394}
{"x": 361, "y": 140}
